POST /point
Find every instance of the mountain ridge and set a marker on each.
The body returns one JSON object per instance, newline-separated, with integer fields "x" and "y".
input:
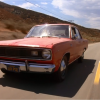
{"x": 16, "y": 14}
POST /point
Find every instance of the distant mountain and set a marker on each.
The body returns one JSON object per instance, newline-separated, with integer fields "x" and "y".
{"x": 8, "y": 12}
{"x": 28, "y": 15}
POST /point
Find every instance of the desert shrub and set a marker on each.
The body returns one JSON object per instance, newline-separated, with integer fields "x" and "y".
{"x": 9, "y": 24}
{"x": 17, "y": 25}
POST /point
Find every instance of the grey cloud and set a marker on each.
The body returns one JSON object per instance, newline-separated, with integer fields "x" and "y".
{"x": 86, "y": 9}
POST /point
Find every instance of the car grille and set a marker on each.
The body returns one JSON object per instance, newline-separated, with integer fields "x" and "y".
{"x": 17, "y": 52}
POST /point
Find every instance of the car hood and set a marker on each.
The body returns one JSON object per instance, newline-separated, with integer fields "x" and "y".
{"x": 34, "y": 42}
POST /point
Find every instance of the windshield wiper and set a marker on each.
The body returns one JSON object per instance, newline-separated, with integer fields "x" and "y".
{"x": 51, "y": 36}
{"x": 34, "y": 36}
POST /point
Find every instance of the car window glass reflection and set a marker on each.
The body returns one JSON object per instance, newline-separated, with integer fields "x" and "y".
{"x": 49, "y": 30}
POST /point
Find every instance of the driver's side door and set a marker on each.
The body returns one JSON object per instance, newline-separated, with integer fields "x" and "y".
{"x": 77, "y": 43}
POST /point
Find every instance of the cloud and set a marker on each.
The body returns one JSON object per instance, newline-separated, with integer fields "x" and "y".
{"x": 13, "y": 2}
{"x": 94, "y": 22}
{"x": 44, "y": 3}
{"x": 37, "y": 5}
{"x": 1, "y": 0}
{"x": 83, "y": 9}
{"x": 26, "y": 5}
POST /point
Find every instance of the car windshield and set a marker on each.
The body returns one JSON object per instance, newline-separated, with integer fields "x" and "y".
{"x": 49, "y": 31}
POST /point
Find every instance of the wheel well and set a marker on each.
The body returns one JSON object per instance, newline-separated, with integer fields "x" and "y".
{"x": 68, "y": 56}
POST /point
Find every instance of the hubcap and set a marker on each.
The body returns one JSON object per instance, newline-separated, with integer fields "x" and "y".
{"x": 63, "y": 67}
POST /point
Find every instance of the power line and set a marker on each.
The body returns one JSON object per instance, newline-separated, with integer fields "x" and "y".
{"x": 45, "y": 10}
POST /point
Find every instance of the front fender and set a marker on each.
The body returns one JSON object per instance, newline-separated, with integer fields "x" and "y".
{"x": 58, "y": 52}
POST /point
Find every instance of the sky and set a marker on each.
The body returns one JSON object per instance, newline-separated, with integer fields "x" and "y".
{"x": 83, "y": 12}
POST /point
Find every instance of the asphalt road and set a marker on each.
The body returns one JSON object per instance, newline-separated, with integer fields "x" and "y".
{"x": 79, "y": 83}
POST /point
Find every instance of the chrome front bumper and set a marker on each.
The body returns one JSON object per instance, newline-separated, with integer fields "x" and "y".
{"x": 29, "y": 67}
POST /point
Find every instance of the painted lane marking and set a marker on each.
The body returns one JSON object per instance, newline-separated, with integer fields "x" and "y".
{"x": 97, "y": 77}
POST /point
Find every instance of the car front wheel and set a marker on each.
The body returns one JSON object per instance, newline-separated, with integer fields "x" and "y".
{"x": 80, "y": 60}
{"x": 60, "y": 75}
{"x": 4, "y": 71}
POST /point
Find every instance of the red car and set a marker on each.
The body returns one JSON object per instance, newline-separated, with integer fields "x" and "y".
{"x": 48, "y": 48}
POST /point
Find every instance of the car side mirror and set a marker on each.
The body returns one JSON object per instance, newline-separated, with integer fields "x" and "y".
{"x": 76, "y": 36}
{"x": 73, "y": 37}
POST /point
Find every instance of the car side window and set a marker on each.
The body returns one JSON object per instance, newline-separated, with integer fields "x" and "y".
{"x": 73, "y": 32}
{"x": 78, "y": 34}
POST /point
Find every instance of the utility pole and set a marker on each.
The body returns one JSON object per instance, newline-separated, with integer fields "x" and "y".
{"x": 71, "y": 21}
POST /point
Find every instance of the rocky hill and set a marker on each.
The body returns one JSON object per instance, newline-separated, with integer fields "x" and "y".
{"x": 19, "y": 21}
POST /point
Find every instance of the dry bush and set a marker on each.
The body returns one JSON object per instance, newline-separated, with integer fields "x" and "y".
{"x": 9, "y": 24}
{"x": 21, "y": 26}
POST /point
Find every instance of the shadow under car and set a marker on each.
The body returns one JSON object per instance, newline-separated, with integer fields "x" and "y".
{"x": 43, "y": 83}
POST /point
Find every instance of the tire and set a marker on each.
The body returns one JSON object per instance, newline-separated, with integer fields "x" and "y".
{"x": 80, "y": 60}
{"x": 4, "y": 71}
{"x": 60, "y": 75}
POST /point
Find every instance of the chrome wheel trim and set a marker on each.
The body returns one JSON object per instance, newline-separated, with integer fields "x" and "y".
{"x": 63, "y": 68}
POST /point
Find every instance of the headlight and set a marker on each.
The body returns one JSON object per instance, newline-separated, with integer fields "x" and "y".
{"x": 34, "y": 53}
{"x": 46, "y": 54}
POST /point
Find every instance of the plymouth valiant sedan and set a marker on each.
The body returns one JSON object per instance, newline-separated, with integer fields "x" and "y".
{"x": 47, "y": 48}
